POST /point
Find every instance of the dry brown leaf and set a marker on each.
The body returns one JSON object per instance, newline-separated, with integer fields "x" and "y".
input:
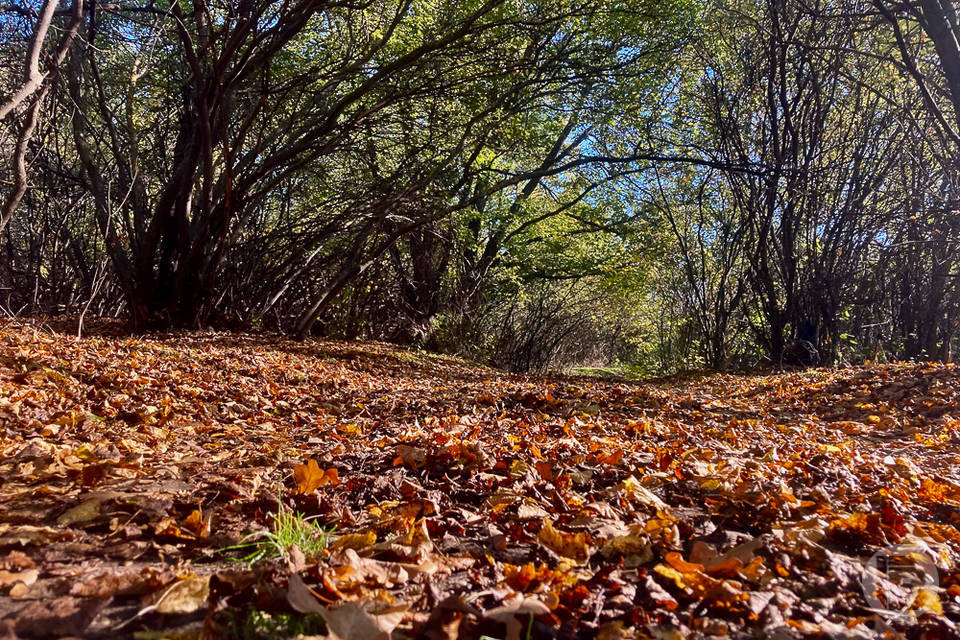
{"x": 26, "y": 577}
{"x": 413, "y": 457}
{"x": 515, "y": 605}
{"x": 635, "y": 550}
{"x": 300, "y": 597}
{"x": 362, "y": 621}
{"x": 569, "y": 545}
{"x": 83, "y": 513}
{"x": 28, "y": 535}
{"x": 186, "y": 596}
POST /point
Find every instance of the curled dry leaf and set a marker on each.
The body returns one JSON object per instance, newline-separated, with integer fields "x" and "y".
{"x": 413, "y": 457}
{"x": 515, "y": 612}
{"x": 369, "y": 620}
{"x": 185, "y": 596}
{"x": 26, "y": 577}
{"x": 574, "y": 546}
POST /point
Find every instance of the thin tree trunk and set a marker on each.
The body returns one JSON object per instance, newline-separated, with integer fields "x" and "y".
{"x": 35, "y": 87}
{"x": 32, "y": 78}
{"x": 19, "y": 163}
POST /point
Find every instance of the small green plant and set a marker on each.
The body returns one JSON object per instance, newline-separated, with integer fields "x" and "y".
{"x": 259, "y": 625}
{"x": 289, "y": 528}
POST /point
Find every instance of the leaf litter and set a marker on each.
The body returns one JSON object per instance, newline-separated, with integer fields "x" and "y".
{"x": 455, "y": 501}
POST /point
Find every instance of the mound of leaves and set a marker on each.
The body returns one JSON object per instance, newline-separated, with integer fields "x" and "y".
{"x": 443, "y": 500}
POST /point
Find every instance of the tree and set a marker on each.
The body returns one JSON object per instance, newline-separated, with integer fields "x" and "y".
{"x": 32, "y": 92}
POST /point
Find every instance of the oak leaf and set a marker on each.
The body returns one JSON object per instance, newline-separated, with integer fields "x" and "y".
{"x": 310, "y": 476}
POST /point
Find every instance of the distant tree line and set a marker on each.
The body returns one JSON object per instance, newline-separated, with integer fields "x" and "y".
{"x": 657, "y": 184}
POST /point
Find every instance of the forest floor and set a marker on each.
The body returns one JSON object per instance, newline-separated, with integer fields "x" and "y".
{"x": 446, "y": 500}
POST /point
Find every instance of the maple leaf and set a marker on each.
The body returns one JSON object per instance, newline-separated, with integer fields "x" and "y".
{"x": 310, "y": 476}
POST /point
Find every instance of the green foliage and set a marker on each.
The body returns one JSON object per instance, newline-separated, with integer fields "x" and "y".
{"x": 259, "y": 625}
{"x": 653, "y": 185}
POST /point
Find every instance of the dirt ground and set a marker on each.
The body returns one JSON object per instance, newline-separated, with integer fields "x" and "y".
{"x": 441, "y": 499}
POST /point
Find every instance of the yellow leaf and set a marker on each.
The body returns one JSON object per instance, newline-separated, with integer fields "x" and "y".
{"x": 928, "y": 601}
{"x": 568, "y": 545}
{"x": 357, "y": 541}
{"x": 519, "y": 469}
{"x": 638, "y": 492}
{"x": 85, "y": 452}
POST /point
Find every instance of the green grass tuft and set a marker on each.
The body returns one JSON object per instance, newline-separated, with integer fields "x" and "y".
{"x": 289, "y": 528}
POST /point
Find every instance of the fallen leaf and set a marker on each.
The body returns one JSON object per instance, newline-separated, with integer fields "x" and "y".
{"x": 82, "y": 513}
{"x": 927, "y": 600}
{"x": 309, "y": 477}
{"x": 514, "y": 605}
{"x": 635, "y": 550}
{"x": 569, "y": 545}
{"x": 186, "y": 596}
{"x": 362, "y": 621}
{"x": 300, "y": 597}
{"x": 197, "y": 524}
{"x": 17, "y": 560}
{"x": 358, "y": 541}
{"x": 58, "y": 617}
{"x": 28, "y": 535}
{"x": 26, "y": 577}
{"x": 640, "y": 493}
{"x": 413, "y": 457}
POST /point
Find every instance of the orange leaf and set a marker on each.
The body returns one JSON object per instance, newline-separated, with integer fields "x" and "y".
{"x": 611, "y": 458}
{"x": 569, "y": 545}
{"x": 333, "y": 476}
{"x": 197, "y": 524}
{"x": 728, "y": 568}
{"x": 309, "y": 476}
{"x": 676, "y": 561}
{"x": 545, "y": 469}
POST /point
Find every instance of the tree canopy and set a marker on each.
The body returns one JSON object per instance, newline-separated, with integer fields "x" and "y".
{"x": 660, "y": 185}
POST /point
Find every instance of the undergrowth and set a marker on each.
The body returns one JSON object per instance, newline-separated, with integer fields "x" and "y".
{"x": 290, "y": 528}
